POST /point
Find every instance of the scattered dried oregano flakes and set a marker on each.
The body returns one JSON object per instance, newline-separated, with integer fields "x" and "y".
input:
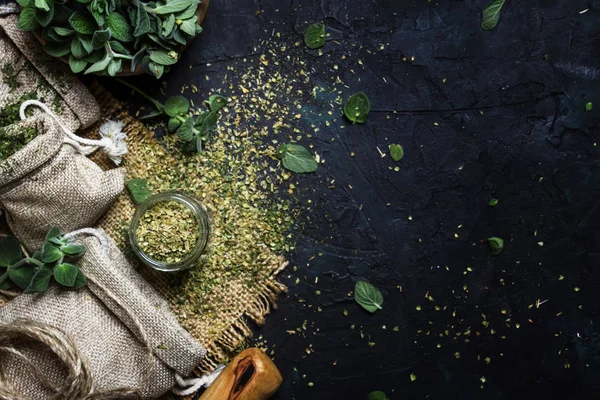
{"x": 168, "y": 232}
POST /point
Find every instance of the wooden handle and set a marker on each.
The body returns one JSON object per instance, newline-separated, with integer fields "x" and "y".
{"x": 249, "y": 376}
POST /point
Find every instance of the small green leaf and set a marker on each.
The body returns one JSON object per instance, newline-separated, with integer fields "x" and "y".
{"x": 137, "y": 58}
{"x": 139, "y": 190}
{"x": 51, "y": 253}
{"x": 314, "y": 36}
{"x": 368, "y": 296}
{"x": 27, "y": 19}
{"x": 99, "y": 66}
{"x": 80, "y": 280}
{"x": 496, "y": 245}
{"x": 142, "y": 25}
{"x": 114, "y": 67}
{"x": 77, "y": 48}
{"x": 172, "y": 6}
{"x": 156, "y": 69}
{"x": 297, "y": 158}
{"x": 65, "y": 274}
{"x": 82, "y": 23}
{"x": 100, "y": 38}
{"x": 216, "y": 102}
{"x": 378, "y": 395}
{"x": 189, "y": 26}
{"x": 177, "y": 105}
{"x": 40, "y": 280}
{"x": 23, "y": 3}
{"x": 185, "y": 131}
{"x": 588, "y": 106}
{"x": 10, "y": 251}
{"x": 491, "y": 15}
{"x": 161, "y": 57}
{"x": 357, "y": 108}
{"x": 44, "y": 16}
{"x": 174, "y": 124}
{"x": 23, "y": 275}
{"x": 188, "y": 12}
{"x": 168, "y": 25}
{"x": 119, "y": 27}
{"x": 493, "y": 202}
{"x": 76, "y": 65}
{"x": 53, "y": 232}
{"x": 73, "y": 249}
{"x": 396, "y": 151}
{"x": 99, "y": 17}
{"x": 42, "y": 4}
{"x": 63, "y": 31}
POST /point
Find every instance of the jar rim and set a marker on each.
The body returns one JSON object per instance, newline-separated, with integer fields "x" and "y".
{"x": 202, "y": 219}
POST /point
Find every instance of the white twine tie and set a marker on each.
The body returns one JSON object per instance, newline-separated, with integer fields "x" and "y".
{"x": 189, "y": 386}
{"x": 112, "y": 140}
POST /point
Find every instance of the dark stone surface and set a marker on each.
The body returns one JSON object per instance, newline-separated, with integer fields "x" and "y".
{"x": 508, "y": 123}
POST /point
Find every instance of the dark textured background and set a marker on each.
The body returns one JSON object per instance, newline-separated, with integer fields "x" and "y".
{"x": 510, "y": 125}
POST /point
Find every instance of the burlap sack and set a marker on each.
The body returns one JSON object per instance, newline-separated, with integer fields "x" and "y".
{"x": 114, "y": 322}
{"x": 27, "y": 72}
{"x": 48, "y": 183}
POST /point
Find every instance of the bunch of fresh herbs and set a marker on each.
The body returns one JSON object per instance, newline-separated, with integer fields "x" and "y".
{"x": 100, "y": 36}
{"x": 192, "y": 130}
{"x": 33, "y": 274}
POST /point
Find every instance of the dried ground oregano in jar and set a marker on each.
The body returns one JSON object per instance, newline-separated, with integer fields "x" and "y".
{"x": 169, "y": 231}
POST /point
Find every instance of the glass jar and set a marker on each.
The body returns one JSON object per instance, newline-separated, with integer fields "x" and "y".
{"x": 198, "y": 210}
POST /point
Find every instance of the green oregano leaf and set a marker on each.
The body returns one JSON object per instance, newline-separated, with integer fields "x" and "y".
{"x": 77, "y": 48}
{"x": 45, "y": 16}
{"x": 53, "y": 232}
{"x": 314, "y": 36}
{"x": 189, "y": 26}
{"x": 42, "y": 4}
{"x": 72, "y": 249}
{"x": 208, "y": 124}
{"x": 22, "y": 275}
{"x": 142, "y": 25}
{"x": 40, "y": 280}
{"x": 493, "y": 202}
{"x": 491, "y": 14}
{"x": 161, "y": 57}
{"x": 172, "y": 6}
{"x": 496, "y": 245}
{"x": 176, "y": 105}
{"x": 188, "y": 12}
{"x": 76, "y": 65}
{"x": 186, "y": 130}
{"x": 63, "y": 31}
{"x": 368, "y": 296}
{"x": 82, "y": 24}
{"x": 65, "y": 274}
{"x": 119, "y": 27}
{"x": 137, "y": 58}
{"x": 114, "y": 67}
{"x": 118, "y": 47}
{"x": 168, "y": 25}
{"x": 216, "y": 102}
{"x": 99, "y": 66}
{"x": 139, "y": 190}
{"x": 27, "y": 19}
{"x": 80, "y": 280}
{"x": 296, "y": 158}
{"x": 156, "y": 69}
{"x": 100, "y": 38}
{"x": 10, "y": 251}
{"x": 51, "y": 253}
{"x": 173, "y": 124}
{"x": 357, "y": 108}
{"x": 589, "y": 106}
{"x": 23, "y": 3}
{"x": 396, "y": 152}
{"x": 378, "y": 395}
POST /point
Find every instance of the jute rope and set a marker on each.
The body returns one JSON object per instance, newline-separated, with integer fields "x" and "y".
{"x": 78, "y": 385}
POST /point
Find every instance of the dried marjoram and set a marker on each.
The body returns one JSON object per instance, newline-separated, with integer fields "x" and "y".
{"x": 168, "y": 232}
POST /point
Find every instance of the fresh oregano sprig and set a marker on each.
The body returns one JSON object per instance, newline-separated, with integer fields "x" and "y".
{"x": 191, "y": 130}
{"x": 102, "y": 36}
{"x": 33, "y": 274}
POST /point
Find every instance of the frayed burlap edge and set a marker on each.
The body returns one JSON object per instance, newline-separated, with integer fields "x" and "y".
{"x": 254, "y": 307}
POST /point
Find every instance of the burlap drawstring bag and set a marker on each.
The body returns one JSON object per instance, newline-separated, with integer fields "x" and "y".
{"x": 125, "y": 341}
{"x": 51, "y": 183}
{"x": 27, "y": 72}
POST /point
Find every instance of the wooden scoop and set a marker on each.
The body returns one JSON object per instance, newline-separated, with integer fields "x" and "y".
{"x": 249, "y": 376}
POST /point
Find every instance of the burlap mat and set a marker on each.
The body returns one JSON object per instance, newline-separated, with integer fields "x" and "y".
{"x": 218, "y": 316}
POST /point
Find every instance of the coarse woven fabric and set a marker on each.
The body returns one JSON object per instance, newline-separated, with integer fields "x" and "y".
{"x": 109, "y": 320}
{"x": 234, "y": 303}
{"x": 26, "y": 70}
{"x": 48, "y": 183}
